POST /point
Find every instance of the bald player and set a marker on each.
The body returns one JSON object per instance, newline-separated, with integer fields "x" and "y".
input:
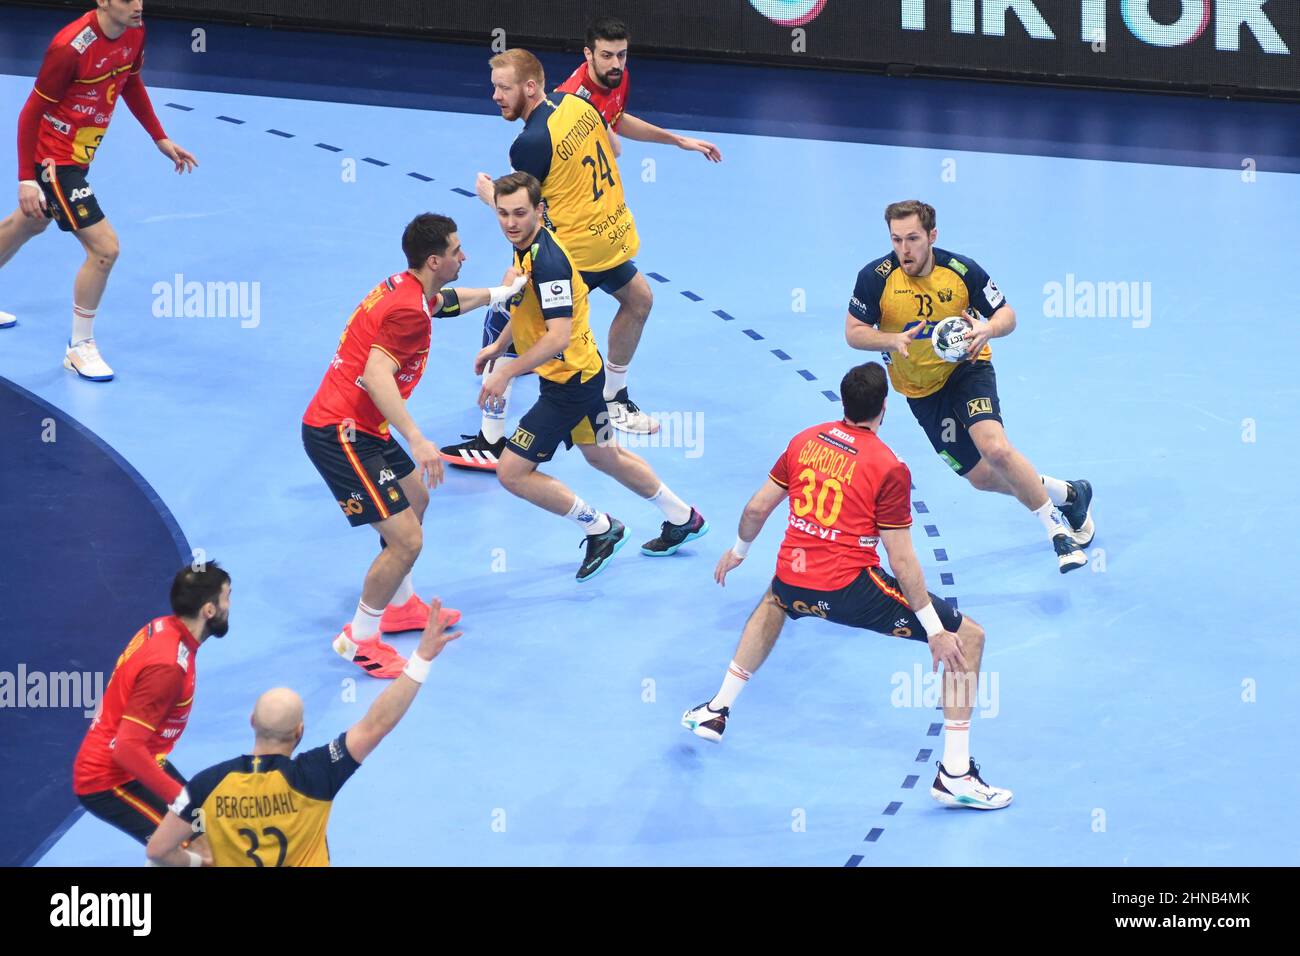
{"x": 270, "y": 808}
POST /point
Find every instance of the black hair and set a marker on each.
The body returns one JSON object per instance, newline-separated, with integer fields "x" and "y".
{"x": 426, "y": 235}
{"x": 606, "y": 28}
{"x": 192, "y": 589}
{"x": 863, "y": 390}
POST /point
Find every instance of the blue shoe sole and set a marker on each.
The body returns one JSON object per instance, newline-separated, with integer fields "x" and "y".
{"x": 704, "y": 529}
{"x": 621, "y": 541}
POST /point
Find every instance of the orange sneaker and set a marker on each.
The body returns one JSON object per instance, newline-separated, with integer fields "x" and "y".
{"x": 373, "y": 656}
{"x": 413, "y": 616}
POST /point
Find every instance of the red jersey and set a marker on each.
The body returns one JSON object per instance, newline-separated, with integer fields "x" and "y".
{"x": 393, "y": 317}
{"x": 610, "y": 103}
{"x": 82, "y": 77}
{"x": 845, "y": 486}
{"x": 152, "y": 685}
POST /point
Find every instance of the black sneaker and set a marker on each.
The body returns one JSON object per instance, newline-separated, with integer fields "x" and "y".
{"x": 1077, "y": 510}
{"x": 476, "y": 453}
{"x": 1068, "y": 554}
{"x": 673, "y": 536}
{"x": 626, "y": 416}
{"x": 600, "y": 548}
{"x": 704, "y": 721}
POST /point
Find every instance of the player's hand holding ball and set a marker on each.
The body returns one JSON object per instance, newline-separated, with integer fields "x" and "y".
{"x": 978, "y": 337}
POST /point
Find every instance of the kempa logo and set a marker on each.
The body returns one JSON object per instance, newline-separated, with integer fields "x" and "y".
{"x": 208, "y": 300}
{"x": 26, "y": 688}
{"x": 103, "y": 909}
{"x": 1081, "y": 299}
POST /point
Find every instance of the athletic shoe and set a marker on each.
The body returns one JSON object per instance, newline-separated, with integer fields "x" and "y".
{"x": 414, "y": 616}
{"x": 8, "y": 320}
{"x": 84, "y": 359}
{"x": 673, "y": 536}
{"x": 600, "y": 548}
{"x": 627, "y": 417}
{"x": 373, "y": 656}
{"x": 1068, "y": 554}
{"x": 1077, "y": 510}
{"x": 704, "y": 721}
{"x": 968, "y": 790}
{"x": 476, "y": 453}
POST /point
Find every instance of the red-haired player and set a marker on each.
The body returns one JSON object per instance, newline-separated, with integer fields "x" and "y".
{"x": 847, "y": 493}
{"x": 90, "y": 64}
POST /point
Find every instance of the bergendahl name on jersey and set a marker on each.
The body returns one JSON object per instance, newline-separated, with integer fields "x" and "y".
{"x": 75, "y": 908}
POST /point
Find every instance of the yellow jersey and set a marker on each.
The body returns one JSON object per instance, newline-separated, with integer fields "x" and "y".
{"x": 555, "y": 290}
{"x": 564, "y": 144}
{"x": 268, "y": 810}
{"x": 887, "y": 297}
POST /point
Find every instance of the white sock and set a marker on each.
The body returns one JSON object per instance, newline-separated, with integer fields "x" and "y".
{"x": 493, "y": 426}
{"x": 1057, "y": 490}
{"x": 587, "y": 518}
{"x": 735, "y": 681}
{"x": 405, "y": 591}
{"x": 83, "y": 324}
{"x": 956, "y": 747}
{"x": 615, "y": 379}
{"x": 365, "y": 623}
{"x": 674, "y": 509}
{"x": 1051, "y": 518}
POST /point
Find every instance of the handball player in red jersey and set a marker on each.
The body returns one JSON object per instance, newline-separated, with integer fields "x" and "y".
{"x": 121, "y": 773}
{"x": 847, "y": 493}
{"x": 603, "y": 80}
{"x": 90, "y": 65}
{"x": 347, "y": 430}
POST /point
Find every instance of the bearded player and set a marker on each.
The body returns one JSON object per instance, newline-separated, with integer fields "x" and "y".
{"x": 897, "y": 302}
{"x": 90, "y": 64}
{"x": 847, "y": 493}
{"x": 347, "y": 432}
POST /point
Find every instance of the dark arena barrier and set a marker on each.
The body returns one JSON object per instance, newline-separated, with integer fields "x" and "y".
{"x": 1221, "y": 47}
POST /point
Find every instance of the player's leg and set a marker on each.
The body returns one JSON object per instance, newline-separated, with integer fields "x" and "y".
{"x": 132, "y": 808}
{"x": 100, "y": 243}
{"x": 361, "y": 641}
{"x": 15, "y": 230}
{"x": 481, "y": 452}
{"x": 632, "y": 292}
{"x": 709, "y": 720}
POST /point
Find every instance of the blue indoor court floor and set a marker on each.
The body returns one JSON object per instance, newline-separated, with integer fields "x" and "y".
{"x": 1142, "y": 704}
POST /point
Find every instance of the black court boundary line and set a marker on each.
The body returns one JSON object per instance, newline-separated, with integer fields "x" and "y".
{"x": 164, "y": 513}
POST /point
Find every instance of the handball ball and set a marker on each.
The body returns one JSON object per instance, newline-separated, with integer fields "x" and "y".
{"x": 949, "y": 337}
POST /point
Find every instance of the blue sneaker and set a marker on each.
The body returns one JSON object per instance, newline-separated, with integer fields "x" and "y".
{"x": 1077, "y": 511}
{"x": 673, "y": 536}
{"x": 600, "y": 548}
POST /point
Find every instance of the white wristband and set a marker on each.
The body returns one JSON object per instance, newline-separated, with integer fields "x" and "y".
{"x": 417, "y": 668}
{"x": 29, "y": 182}
{"x": 195, "y": 859}
{"x": 929, "y": 619}
{"x": 741, "y": 547}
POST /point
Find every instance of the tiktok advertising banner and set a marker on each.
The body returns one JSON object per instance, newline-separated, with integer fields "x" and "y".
{"x": 1193, "y": 45}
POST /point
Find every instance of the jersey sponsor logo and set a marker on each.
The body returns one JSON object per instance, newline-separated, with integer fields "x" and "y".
{"x": 101, "y": 119}
{"x": 868, "y": 541}
{"x": 945, "y": 295}
{"x": 386, "y": 475}
{"x": 351, "y": 507}
{"x": 809, "y": 527}
{"x": 584, "y": 92}
{"x": 819, "y": 609}
{"x": 845, "y": 436}
{"x": 993, "y": 293}
{"x": 884, "y": 268}
{"x": 82, "y": 41}
{"x": 85, "y": 192}
{"x": 522, "y": 438}
{"x": 979, "y": 406}
{"x": 336, "y": 751}
{"x": 88, "y": 108}
{"x": 857, "y": 305}
{"x": 557, "y": 293}
{"x": 837, "y": 443}
{"x": 957, "y": 267}
{"x": 63, "y": 127}
{"x": 183, "y": 655}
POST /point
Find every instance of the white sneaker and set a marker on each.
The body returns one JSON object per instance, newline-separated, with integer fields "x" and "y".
{"x": 8, "y": 320}
{"x": 627, "y": 417}
{"x": 84, "y": 359}
{"x": 968, "y": 790}
{"x": 704, "y": 721}
{"x": 1068, "y": 553}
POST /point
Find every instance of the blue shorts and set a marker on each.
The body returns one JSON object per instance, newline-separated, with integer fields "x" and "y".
{"x": 573, "y": 412}
{"x": 970, "y": 395}
{"x": 611, "y": 280}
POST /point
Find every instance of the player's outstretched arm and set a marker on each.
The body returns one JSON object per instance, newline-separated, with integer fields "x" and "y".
{"x": 904, "y": 565}
{"x": 638, "y": 129}
{"x": 752, "y": 519}
{"x": 164, "y": 847}
{"x": 379, "y": 379}
{"x": 389, "y": 708}
{"x": 471, "y": 299}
